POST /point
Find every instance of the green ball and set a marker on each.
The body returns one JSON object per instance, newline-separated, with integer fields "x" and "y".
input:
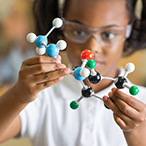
{"x": 91, "y": 64}
{"x": 74, "y": 105}
{"x": 133, "y": 90}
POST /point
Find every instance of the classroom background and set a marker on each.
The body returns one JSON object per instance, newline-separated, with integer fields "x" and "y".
{"x": 16, "y": 21}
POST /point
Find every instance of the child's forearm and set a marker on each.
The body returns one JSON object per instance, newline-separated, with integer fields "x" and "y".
{"x": 137, "y": 137}
{"x": 10, "y": 107}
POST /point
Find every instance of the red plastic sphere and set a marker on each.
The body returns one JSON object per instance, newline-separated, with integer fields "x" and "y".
{"x": 87, "y": 54}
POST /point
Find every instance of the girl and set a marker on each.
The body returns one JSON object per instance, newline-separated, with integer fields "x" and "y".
{"x": 108, "y": 28}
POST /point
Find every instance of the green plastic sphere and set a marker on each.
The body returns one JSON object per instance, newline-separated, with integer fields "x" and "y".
{"x": 91, "y": 64}
{"x": 74, "y": 105}
{"x": 133, "y": 90}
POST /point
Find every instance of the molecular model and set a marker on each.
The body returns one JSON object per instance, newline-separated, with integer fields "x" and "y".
{"x": 87, "y": 67}
{"x": 80, "y": 73}
{"x": 41, "y": 41}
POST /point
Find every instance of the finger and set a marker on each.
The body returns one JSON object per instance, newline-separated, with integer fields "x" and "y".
{"x": 109, "y": 103}
{"x": 125, "y": 127}
{"x": 41, "y": 68}
{"x": 131, "y": 101}
{"x": 44, "y": 85}
{"x": 135, "y": 115}
{"x": 125, "y": 108}
{"x": 121, "y": 123}
{"x": 129, "y": 122}
{"x": 40, "y": 78}
{"x": 58, "y": 57}
{"x": 41, "y": 59}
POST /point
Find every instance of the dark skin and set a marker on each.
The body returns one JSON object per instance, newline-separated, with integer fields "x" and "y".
{"x": 36, "y": 74}
{"x": 103, "y": 56}
{"x": 40, "y": 72}
{"x": 129, "y": 113}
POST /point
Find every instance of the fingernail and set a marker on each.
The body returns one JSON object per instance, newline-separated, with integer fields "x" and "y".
{"x": 105, "y": 98}
{"x": 58, "y": 61}
{"x": 60, "y": 78}
{"x": 61, "y": 66}
{"x": 59, "y": 57}
{"x": 67, "y": 71}
{"x": 114, "y": 89}
{"x": 110, "y": 94}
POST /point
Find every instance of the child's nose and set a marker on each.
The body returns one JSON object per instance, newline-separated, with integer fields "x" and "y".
{"x": 93, "y": 44}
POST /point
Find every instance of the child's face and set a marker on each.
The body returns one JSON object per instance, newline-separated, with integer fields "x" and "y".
{"x": 95, "y": 14}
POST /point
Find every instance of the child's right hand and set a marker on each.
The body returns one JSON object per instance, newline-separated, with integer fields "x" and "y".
{"x": 38, "y": 73}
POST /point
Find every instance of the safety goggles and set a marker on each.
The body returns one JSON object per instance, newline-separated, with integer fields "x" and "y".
{"x": 106, "y": 36}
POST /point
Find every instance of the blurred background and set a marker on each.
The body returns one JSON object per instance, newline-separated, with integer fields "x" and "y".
{"x": 16, "y": 21}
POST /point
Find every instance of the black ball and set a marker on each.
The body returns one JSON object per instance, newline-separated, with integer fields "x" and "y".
{"x": 87, "y": 92}
{"x": 120, "y": 82}
{"x": 106, "y": 106}
{"x": 94, "y": 79}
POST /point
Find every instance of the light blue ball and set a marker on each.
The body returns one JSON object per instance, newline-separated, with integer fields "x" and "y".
{"x": 40, "y": 39}
{"x": 52, "y": 50}
{"x": 77, "y": 74}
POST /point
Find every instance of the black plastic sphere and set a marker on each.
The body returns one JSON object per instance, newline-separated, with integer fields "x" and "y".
{"x": 120, "y": 82}
{"x": 94, "y": 79}
{"x": 106, "y": 106}
{"x": 87, "y": 92}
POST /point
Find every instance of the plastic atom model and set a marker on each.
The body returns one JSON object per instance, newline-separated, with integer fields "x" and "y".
{"x": 41, "y": 41}
{"x": 87, "y": 70}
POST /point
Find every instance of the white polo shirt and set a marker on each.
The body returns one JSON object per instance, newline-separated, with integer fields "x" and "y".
{"x": 49, "y": 120}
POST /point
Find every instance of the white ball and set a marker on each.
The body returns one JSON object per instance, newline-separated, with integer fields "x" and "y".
{"x": 130, "y": 67}
{"x": 31, "y": 37}
{"x": 85, "y": 72}
{"x": 61, "y": 44}
{"x": 40, "y": 51}
{"x": 57, "y": 22}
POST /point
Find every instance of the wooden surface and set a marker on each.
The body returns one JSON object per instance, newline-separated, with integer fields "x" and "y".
{"x": 20, "y": 142}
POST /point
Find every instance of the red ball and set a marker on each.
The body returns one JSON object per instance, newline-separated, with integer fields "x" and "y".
{"x": 87, "y": 54}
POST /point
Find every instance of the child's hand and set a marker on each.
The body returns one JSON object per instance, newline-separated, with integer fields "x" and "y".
{"x": 38, "y": 73}
{"x": 128, "y": 112}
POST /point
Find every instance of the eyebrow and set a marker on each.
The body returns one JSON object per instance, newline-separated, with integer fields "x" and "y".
{"x": 112, "y": 25}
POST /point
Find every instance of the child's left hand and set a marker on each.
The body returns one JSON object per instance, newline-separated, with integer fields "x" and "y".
{"x": 128, "y": 112}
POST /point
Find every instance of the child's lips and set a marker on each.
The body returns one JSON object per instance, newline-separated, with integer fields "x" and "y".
{"x": 98, "y": 64}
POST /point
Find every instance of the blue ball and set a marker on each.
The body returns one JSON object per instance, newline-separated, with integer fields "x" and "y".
{"x": 52, "y": 50}
{"x": 40, "y": 39}
{"x": 77, "y": 74}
